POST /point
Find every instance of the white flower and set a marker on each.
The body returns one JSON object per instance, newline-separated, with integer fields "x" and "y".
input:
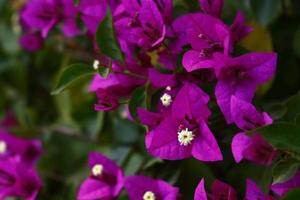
{"x": 185, "y": 137}
{"x": 166, "y": 100}
{"x": 149, "y": 196}
{"x": 97, "y": 170}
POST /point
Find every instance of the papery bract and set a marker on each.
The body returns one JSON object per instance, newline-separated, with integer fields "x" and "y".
{"x": 116, "y": 85}
{"x": 18, "y": 180}
{"x": 240, "y": 76}
{"x": 140, "y": 187}
{"x": 220, "y": 190}
{"x": 238, "y": 29}
{"x": 45, "y": 14}
{"x": 254, "y": 148}
{"x": 282, "y": 188}
{"x": 142, "y": 22}
{"x": 212, "y": 7}
{"x": 253, "y": 192}
{"x": 92, "y": 13}
{"x": 31, "y": 42}
{"x": 246, "y": 117}
{"x": 183, "y": 132}
{"x": 207, "y": 35}
{"x": 20, "y": 150}
{"x": 105, "y": 182}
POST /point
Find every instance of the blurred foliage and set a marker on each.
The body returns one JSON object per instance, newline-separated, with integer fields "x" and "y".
{"x": 70, "y": 128}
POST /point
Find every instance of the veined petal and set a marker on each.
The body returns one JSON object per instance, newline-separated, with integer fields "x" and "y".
{"x": 205, "y": 146}
{"x": 163, "y": 141}
{"x": 239, "y": 143}
{"x": 200, "y": 193}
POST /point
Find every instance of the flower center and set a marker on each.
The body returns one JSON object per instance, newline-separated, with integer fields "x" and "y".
{"x": 149, "y": 196}
{"x": 97, "y": 170}
{"x": 96, "y": 64}
{"x": 166, "y": 100}
{"x": 185, "y": 137}
{"x": 3, "y": 147}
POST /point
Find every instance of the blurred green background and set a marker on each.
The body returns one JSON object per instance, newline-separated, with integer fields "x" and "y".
{"x": 70, "y": 128}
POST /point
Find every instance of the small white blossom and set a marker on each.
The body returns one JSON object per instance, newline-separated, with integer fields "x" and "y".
{"x": 185, "y": 137}
{"x": 97, "y": 170}
{"x": 166, "y": 100}
{"x": 149, "y": 196}
{"x": 3, "y": 147}
{"x": 96, "y": 64}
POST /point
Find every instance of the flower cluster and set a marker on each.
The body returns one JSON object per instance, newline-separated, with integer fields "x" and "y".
{"x": 175, "y": 58}
{"x": 107, "y": 180}
{"x": 18, "y": 158}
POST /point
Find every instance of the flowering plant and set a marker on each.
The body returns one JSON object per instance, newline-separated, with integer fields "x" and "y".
{"x": 166, "y": 99}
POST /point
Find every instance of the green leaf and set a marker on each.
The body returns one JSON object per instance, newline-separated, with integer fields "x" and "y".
{"x": 138, "y": 99}
{"x": 283, "y": 136}
{"x": 134, "y": 164}
{"x": 292, "y": 195}
{"x": 284, "y": 170}
{"x": 296, "y": 43}
{"x": 103, "y": 71}
{"x": 70, "y": 75}
{"x": 277, "y": 110}
{"x": 293, "y": 108}
{"x": 106, "y": 39}
{"x": 266, "y": 11}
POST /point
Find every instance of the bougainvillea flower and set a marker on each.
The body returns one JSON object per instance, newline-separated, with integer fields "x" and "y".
{"x": 240, "y": 76}
{"x": 142, "y": 24}
{"x": 92, "y": 13}
{"x": 146, "y": 188}
{"x": 45, "y": 14}
{"x": 19, "y": 150}
{"x": 253, "y": 148}
{"x": 17, "y": 180}
{"x": 207, "y": 35}
{"x": 253, "y": 192}
{"x": 238, "y": 29}
{"x": 219, "y": 190}
{"x": 160, "y": 80}
{"x": 183, "y": 132}
{"x": 212, "y": 7}
{"x": 150, "y": 119}
{"x": 282, "y": 188}
{"x": 31, "y": 41}
{"x": 246, "y": 117}
{"x": 106, "y": 101}
{"x": 116, "y": 85}
{"x": 105, "y": 182}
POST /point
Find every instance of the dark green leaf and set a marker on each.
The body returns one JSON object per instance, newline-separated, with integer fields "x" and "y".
{"x": 138, "y": 99}
{"x": 106, "y": 40}
{"x": 125, "y": 132}
{"x": 296, "y": 43}
{"x": 103, "y": 71}
{"x": 293, "y": 108}
{"x": 283, "y": 136}
{"x": 70, "y": 75}
{"x": 134, "y": 164}
{"x": 277, "y": 111}
{"x": 266, "y": 11}
{"x": 284, "y": 170}
{"x": 293, "y": 195}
